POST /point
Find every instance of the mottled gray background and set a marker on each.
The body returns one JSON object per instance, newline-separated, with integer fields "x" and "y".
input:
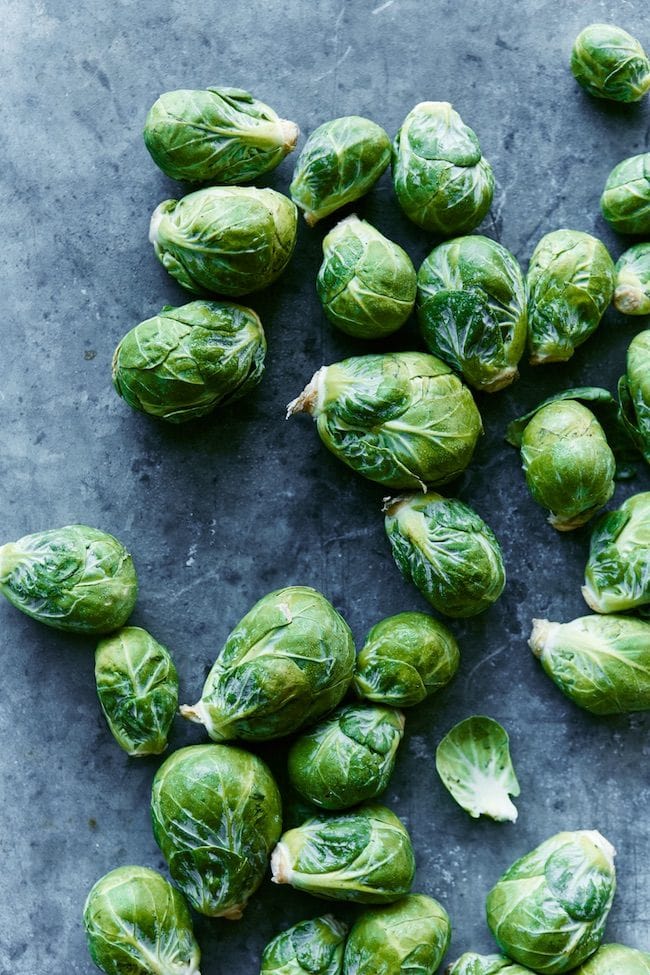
{"x": 220, "y": 512}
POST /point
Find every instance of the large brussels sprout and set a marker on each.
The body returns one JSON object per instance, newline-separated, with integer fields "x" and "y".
{"x": 602, "y": 663}
{"x": 185, "y": 361}
{"x": 136, "y": 923}
{"x": 229, "y": 240}
{"x": 402, "y": 418}
{"x": 472, "y": 310}
{"x": 570, "y": 284}
{"x": 74, "y": 578}
{"x": 308, "y": 948}
{"x": 364, "y": 856}
{"x": 444, "y": 548}
{"x": 609, "y": 63}
{"x": 442, "y": 181}
{"x": 216, "y": 815}
{"x": 549, "y": 910}
{"x": 404, "y": 659}
{"x": 288, "y": 662}
{"x": 339, "y": 162}
{"x": 634, "y": 393}
{"x": 632, "y": 292}
{"x": 216, "y": 135}
{"x": 616, "y": 960}
{"x": 472, "y": 964}
{"x": 617, "y": 576}
{"x": 366, "y": 282}
{"x": 406, "y": 938}
{"x": 625, "y": 203}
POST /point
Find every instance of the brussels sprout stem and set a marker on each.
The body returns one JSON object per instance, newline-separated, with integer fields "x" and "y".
{"x": 280, "y": 868}
{"x": 311, "y": 398}
{"x": 199, "y": 714}
{"x": 504, "y": 378}
{"x": 290, "y": 133}
{"x": 628, "y": 298}
{"x": 10, "y": 558}
{"x": 539, "y": 636}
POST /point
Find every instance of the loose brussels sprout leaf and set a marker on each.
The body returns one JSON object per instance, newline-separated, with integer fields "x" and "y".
{"x": 625, "y": 203}
{"x": 602, "y": 663}
{"x": 632, "y": 291}
{"x": 75, "y": 578}
{"x": 405, "y": 658}
{"x": 617, "y": 576}
{"x": 308, "y": 948}
{"x": 473, "y": 761}
{"x": 136, "y": 923}
{"x": 185, "y": 361}
{"x": 347, "y": 758}
{"x": 616, "y": 960}
{"x": 570, "y": 284}
{"x": 402, "y": 419}
{"x": 364, "y": 856}
{"x": 609, "y": 63}
{"x": 442, "y": 181}
{"x": 549, "y": 910}
{"x": 366, "y": 282}
{"x": 340, "y": 161}
{"x": 472, "y": 964}
{"x": 634, "y": 393}
{"x": 288, "y": 662}
{"x": 216, "y": 135}
{"x": 229, "y": 240}
{"x": 444, "y": 548}
{"x": 472, "y": 310}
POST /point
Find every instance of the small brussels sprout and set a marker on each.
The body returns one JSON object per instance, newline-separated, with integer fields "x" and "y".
{"x": 473, "y": 761}
{"x": 406, "y": 938}
{"x": 549, "y": 910}
{"x": 616, "y": 960}
{"x": 75, "y": 578}
{"x": 308, "y": 948}
{"x": 402, "y": 418}
{"x": 364, "y": 856}
{"x": 625, "y": 203}
{"x": 442, "y": 181}
{"x": 288, "y": 662}
{"x": 229, "y": 240}
{"x": 617, "y": 576}
{"x": 632, "y": 291}
{"x": 216, "y": 815}
{"x": 366, "y": 282}
{"x": 634, "y": 393}
{"x": 136, "y": 923}
{"x": 405, "y": 658}
{"x": 601, "y": 663}
{"x": 448, "y": 552}
{"x": 570, "y": 284}
{"x": 216, "y": 135}
{"x": 472, "y": 310}
{"x": 472, "y": 964}
{"x": 609, "y": 63}
{"x": 339, "y": 162}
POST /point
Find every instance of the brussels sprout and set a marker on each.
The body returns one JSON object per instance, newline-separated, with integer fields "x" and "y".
{"x": 602, "y": 663}
{"x": 444, "y": 548}
{"x": 609, "y": 63}
{"x": 288, "y": 662}
{"x": 366, "y": 282}
{"x": 617, "y": 576}
{"x": 136, "y": 923}
{"x": 472, "y": 310}
{"x": 616, "y": 960}
{"x": 549, "y": 910}
{"x": 75, "y": 578}
{"x": 339, "y": 162}
{"x": 347, "y": 758}
{"x": 231, "y": 240}
{"x": 402, "y": 418}
{"x": 632, "y": 292}
{"x": 406, "y": 938}
{"x": 216, "y": 815}
{"x": 473, "y": 761}
{"x": 625, "y": 203}
{"x": 570, "y": 284}
{"x": 405, "y": 658}
{"x": 472, "y": 964}
{"x": 216, "y": 135}
{"x": 364, "y": 856}
{"x": 634, "y": 393}
{"x": 308, "y": 948}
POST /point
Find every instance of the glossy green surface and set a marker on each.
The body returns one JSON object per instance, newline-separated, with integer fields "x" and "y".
{"x": 625, "y": 203}
{"x": 617, "y": 575}
{"x": 308, "y": 948}
{"x": 609, "y": 63}
{"x": 632, "y": 291}
{"x": 634, "y": 393}
{"x": 472, "y": 964}
{"x": 616, "y": 960}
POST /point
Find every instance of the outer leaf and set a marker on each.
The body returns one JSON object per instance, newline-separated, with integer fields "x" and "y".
{"x": 632, "y": 293}
{"x": 609, "y": 63}
{"x": 617, "y": 576}
{"x": 472, "y": 964}
{"x": 616, "y": 960}
{"x": 634, "y": 393}
{"x": 625, "y": 203}
{"x": 308, "y": 948}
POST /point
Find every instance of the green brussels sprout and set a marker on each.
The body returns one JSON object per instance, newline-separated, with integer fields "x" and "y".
{"x": 137, "y": 687}
{"x": 617, "y": 576}
{"x": 549, "y": 910}
{"x": 448, "y": 552}
{"x": 136, "y": 923}
{"x": 366, "y": 282}
{"x": 625, "y": 203}
{"x": 402, "y": 418}
{"x": 472, "y": 310}
{"x": 570, "y": 284}
{"x": 609, "y": 63}
{"x": 216, "y": 135}
{"x": 473, "y": 761}
{"x": 339, "y": 162}
{"x": 472, "y": 964}
{"x": 216, "y": 815}
{"x": 364, "y": 855}
{"x": 288, "y": 662}
{"x": 231, "y": 240}
{"x": 308, "y": 948}
{"x": 601, "y": 663}
{"x": 405, "y": 659}
{"x": 405, "y": 938}
{"x": 75, "y": 578}
{"x": 442, "y": 181}
{"x": 632, "y": 291}
{"x": 185, "y": 361}
{"x": 616, "y": 960}
{"x": 347, "y": 758}
{"x": 634, "y": 393}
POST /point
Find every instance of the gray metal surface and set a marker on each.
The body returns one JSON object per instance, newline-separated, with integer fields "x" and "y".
{"x": 220, "y": 512}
